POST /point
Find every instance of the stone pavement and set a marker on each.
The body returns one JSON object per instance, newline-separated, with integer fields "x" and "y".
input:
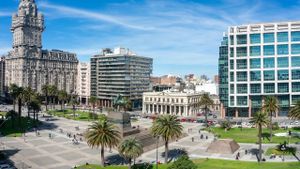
{"x": 59, "y": 152}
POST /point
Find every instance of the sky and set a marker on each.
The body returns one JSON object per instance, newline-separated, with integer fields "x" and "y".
{"x": 182, "y": 36}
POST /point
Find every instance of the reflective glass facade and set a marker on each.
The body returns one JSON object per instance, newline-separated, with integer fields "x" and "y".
{"x": 254, "y": 38}
{"x": 269, "y": 50}
{"x": 268, "y": 37}
{"x": 269, "y": 63}
{"x": 255, "y": 63}
{"x": 269, "y": 75}
{"x": 255, "y": 51}
{"x": 282, "y": 36}
{"x": 255, "y": 75}
{"x": 283, "y": 74}
{"x": 282, "y": 62}
{"x": 283, "y": 49}
{"x": 296, "y": 61}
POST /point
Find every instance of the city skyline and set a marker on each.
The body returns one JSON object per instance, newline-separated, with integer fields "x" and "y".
{"x": 188, "y": 32}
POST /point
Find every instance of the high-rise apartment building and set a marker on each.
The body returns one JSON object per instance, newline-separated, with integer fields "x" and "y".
{"x": 83, "y": 82}
{"x": 28, "y": 65}
{"x": 263, "y": 59}
{"x": 120, "y": 72}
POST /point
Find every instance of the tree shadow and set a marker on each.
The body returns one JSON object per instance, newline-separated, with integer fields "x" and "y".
{"x": 5, "y": 157}
{"x": 116, "y": 160}
{"x": 265, "y": 136}
{"x": 175, "y": 153}
{"x": 142, "y": 166}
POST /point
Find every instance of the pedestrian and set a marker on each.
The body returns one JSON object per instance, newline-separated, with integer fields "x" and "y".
{"x": 238, "y": 154}
{"x": 50, "y": 135}
{"x": 201, "y": 136}
{"x": 199, "y": 131}
{"x": 206, "y": 137}
{"x": 192, "y": 139}
{"x": 246, "y": 152}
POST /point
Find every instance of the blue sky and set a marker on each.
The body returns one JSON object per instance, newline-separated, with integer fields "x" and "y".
{"x": 182, "y": 36}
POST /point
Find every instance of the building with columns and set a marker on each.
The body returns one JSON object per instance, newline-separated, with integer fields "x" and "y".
{"x": 184, "y": 104}
{"x": 28, "y": 65}
{"x": 83, "y": 82}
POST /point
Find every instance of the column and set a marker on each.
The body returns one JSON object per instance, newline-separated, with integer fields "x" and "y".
{"x": 236, "y": 113}
{"x": 144, "y": 108}
{"x": 185, "y": 111}
{"x": 250, "y": 108}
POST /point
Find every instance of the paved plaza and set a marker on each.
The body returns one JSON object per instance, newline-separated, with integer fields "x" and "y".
{"x": 59, "y": 152}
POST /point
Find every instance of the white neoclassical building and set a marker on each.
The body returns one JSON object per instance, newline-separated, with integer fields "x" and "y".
{"x": 83, "y": 82}
{"x": 175, "y": 103}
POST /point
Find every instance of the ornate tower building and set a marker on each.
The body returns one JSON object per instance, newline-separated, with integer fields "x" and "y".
{"x": 27, "y": 64}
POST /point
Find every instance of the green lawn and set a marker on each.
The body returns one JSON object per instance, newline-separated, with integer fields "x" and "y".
{"x": 276, "y": 151}
{"x": 79, "y": 115}
{"x": 219, "y": 164}
{"x": 9, "y": 131}
{"x": 249, "y": 135}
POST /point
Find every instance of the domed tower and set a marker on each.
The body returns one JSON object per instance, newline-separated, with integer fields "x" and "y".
{"x": 27, "y": 28}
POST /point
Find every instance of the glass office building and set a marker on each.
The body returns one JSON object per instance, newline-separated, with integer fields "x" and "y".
{"x": 263, "y": 59}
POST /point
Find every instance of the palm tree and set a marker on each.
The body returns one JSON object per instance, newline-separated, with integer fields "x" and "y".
{"x": 53, "y": 93}
{"x": 260, "y": 119}
{"x": 12, "y": 115}
{"x": 130, "y": 149}
{"x": 35, "y": 106}
{"x": 271, "y": 106}
{"x": 20, "y": 98}
{"x": 93, "y": 101}
{"x": 45, "y": 91}
{"x": 13, "y": 89}
{"x": 102, "y": 134}
{"x": 62, "y": 97}
{"x": 206, "y": 101}
{"x": 167, "y": 127}
{"x": 29, "y": 95}
{"x": 294, "y": 112}
{"x": 73, "y": 102}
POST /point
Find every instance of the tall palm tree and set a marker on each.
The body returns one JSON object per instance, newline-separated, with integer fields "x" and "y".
{"x": 260, "y": 119}
{"x": 206, "y": 102}
{"x": 271, "y": 106}
{"x": 294, "y": 112}
{"x": 53, "y": 91}
{"x": 93, "y": 101}
{"x": 13, "y": 91}
{"x": 45, "y": 91}
{"x": 102, "y": 134}
{"x": 35, "y": 106}
{"x": 20, "y": 98}
{"x": 62, "y": 97}
{"x": 167, "y": 127}
{"x": 130, "y": 149}
{"x": 73, "y": 102}
{"x": 29, "y": 95}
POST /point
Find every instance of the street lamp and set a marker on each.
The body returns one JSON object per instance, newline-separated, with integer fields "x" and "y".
{"x": 283, "y": 148}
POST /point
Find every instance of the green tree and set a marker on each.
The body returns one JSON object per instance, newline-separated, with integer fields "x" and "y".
{"x": 45, "y": 92}
{"x": 62, "y": 97}
{"x": 130, "y": 149}
{"x": 260, "y": 119}
{"x": 294, "y": 112}
{"x": 29, "y": 95}
{"x": 183, "y": 162}
{"x": 12, "y": 115}
{"x": 73, "y": 102}
{"x": 93, "y": 101}
{"x": 13, "y": 91}
{"x": 271, "y": 106}
{"x": 167, "y": 127}
{"x": 206, "y": 102}
{"x": 53, "y": 92}
{"x": 102, "y": 134}
{"x": 35, "y": 106}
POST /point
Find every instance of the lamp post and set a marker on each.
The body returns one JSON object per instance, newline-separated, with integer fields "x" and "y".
{"x": 283, "y": 148}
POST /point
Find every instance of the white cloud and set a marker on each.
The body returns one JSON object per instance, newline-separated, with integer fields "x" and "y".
{"x": 4, "y": 50}
{"x": 5, "y": 14}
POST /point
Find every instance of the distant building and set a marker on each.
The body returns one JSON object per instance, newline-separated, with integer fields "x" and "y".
{"x": 216, "y": 79}
{"x": 175, "y": 103}
{"x": 27, "y": 65}
{"x": 211, "y": 88}
{"x": 83, "y": 82}
{"x": 2, "y": 77}
{"x": 120, "y": 72}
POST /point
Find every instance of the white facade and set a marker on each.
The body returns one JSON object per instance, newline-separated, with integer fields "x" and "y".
{"x": 211, "y": 88}
{"x": 83, "y": 82}
{"x": 175, "y": 103}
{"x": 263, "y": 59}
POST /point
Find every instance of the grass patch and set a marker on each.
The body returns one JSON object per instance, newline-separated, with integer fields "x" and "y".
{"x": 79, "y": 115}
{"x": 276, "y": 151}
{"x": 9, "y": 131}
{"x": 217, "y": 164}
{"x": 249, "y": 135}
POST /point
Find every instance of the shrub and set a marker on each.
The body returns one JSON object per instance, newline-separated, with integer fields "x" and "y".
{"x": 183, "y": 162}
{"x": 275, "y": 126}
{"x": 226, "y": 125}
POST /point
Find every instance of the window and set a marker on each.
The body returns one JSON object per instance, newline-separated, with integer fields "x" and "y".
{"x": 242, "y": 100}
{"x": 295, "y": 48}
{"x": 241, "y": 51}
{"x": 282, "y": 37}
{"x": 241, "y": 64}
{"x": 283, "y": 74}
{"x": 282, "y": 62}
{"x": 254, "y": 50}
{"x": 231, "y": 52}
{"x": 242, "y": 88}
{"x": 282, "y": 49}
{"x": 295, "y": 99}
{"x": 241, "y": 39}
{"x": 269, "y": 50}
{"x": 255, "y": 88}
{"x": 296, "y": 87}
{"x": 295, "y": 36}
{"x": 241, "y": 76}
{"x": 232, "y": 100}
{"x": 269, "y": 63}
{"x": 269, "y": 75}
{"x": 254, "y": 38}
{"x": 284, "y": 100}
{"x": 255, "y": 75}
{"x": 231, "y": 40}
{"x": 231, "y": 76}
{"x": 269, "y": 88}
{"x": 231, "y": 88}
{"x": 283, "y": 87}
{"x": 256, "y": 101}
{"x": 232, "y": 64}
{"x": 268, "y": 37}
{"x": 254, "y": 63}
{"x": 296, "y": 61}
{"x": 296, "y": 74}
